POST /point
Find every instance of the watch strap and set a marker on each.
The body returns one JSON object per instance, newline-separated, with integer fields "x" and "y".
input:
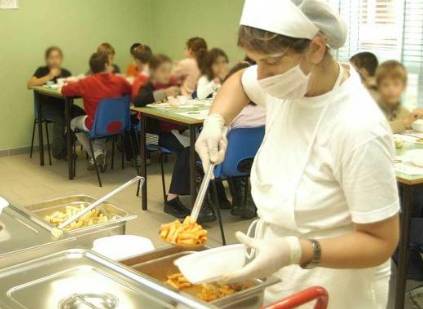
{"x": 317, "y": 254}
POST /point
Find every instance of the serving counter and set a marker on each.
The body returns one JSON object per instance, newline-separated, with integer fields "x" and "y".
{"x": 38, "y": 270}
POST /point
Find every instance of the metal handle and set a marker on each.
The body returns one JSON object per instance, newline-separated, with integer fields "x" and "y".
{"x": 202, "y": 192}
{"x": 101, "y": 200}
{"x": 314, "y": 293}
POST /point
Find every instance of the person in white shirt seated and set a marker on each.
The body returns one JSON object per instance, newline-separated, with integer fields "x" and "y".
{"x": 214, "y": 69}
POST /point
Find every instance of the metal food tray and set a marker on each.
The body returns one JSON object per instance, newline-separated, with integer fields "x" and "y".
{"x": 37, "y": 212}
{"x": 82, "y": 279}
{"x": 159, "y": 265}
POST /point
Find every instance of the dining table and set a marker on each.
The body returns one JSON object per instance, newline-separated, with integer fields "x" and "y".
{"x": 190, "y": 115}
{"x": 53, "y": 91}
{"x": 409, "y": 178}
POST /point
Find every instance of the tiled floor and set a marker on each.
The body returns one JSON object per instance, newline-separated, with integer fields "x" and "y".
{"x": 23, "y": 182}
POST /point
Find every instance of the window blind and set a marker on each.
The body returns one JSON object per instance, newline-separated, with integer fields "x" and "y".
{"x": 392, "y": 29}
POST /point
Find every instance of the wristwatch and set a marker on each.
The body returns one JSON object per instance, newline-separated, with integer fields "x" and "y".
{"x": 317, "y": 254}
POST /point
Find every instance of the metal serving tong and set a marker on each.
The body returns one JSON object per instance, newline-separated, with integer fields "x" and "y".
{"x": 101, "y": 200}
{"x": 202, "y": 192}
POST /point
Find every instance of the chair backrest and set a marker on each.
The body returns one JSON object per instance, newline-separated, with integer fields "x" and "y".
{"x": 112, "y": 117}
{"x": 243, "y": 144}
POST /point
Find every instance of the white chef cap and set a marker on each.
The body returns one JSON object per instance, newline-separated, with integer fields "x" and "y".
{"x": 302, "y": 19}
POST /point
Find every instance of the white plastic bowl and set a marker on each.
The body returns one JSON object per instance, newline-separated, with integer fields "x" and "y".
{"x": 417, "y": 125}
{"x": 211, "y": 265}
{"x": 122, "y": 247}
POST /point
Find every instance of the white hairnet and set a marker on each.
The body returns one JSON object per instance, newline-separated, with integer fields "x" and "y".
{"x": 296, "y": 18}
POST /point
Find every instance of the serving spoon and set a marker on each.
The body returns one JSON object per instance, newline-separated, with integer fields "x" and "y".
{"x": 58, "y": 231}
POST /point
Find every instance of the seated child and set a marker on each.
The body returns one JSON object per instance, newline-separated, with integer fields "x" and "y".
{"x": 366, "y": 64}
{"x": 160, "y": 84}
{"x": 391, "y": 80}
{"x": 187, "y": 71}
{"x": 108, "y": 49}
{"x": 142, "y": 56}
{"x": 214, "y": 70}
{"x": 132, "y": 69}
{"x": 159, "y": 87}
{"x": 53, "y": 108}
{"x": 102, "y": 84}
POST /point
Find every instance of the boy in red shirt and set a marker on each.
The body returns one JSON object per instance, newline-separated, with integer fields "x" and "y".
{"x": 94, "y": 88}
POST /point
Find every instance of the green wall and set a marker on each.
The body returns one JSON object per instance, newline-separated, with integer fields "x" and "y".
{"x": 77, "y": 26}
{"x": 215, "y": 20}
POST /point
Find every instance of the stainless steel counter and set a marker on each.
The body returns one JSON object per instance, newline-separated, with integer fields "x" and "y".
{"x": 22, "y": 239}
{"x": 82, "y": 279}
{"x": 17, "y": 232}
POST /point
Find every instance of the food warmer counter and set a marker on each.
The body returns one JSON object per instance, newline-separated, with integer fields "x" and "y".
{"x": 80, "y": 278}
{"x": 24, "y": 233}
{"x": 77, "y": 279}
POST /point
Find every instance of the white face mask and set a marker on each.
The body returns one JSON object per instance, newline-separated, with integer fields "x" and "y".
{"x": 291, "y": 85}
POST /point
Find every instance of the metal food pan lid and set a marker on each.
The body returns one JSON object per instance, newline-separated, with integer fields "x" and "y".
{"x": 77, "y": 275}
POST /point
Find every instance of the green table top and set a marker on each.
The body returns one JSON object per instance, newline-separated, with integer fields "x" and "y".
{"x": 46, "y": 90}
{"x": 192, "y": 114}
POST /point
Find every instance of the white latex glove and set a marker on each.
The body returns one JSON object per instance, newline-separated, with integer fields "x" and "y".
{"x": 212, "y": 143}
{"x": 271, "y": 255}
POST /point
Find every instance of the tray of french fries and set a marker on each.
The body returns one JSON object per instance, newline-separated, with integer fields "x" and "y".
{"x": 206, "y": 292}
{"x": 159, "y": 267}
{"x": 54, "y": 212}
{"x": 187, "y": 233}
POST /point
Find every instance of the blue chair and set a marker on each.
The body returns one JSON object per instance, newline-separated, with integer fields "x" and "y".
{"x": 243, "y": 144}
{"x": 44, "y": 121}
{"x": 112, "y": 119}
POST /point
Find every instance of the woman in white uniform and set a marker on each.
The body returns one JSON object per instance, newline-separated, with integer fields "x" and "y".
{"x": 323, "y": 179}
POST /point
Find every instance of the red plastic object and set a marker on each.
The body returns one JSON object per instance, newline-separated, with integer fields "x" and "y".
{"x": 319, "y": 294}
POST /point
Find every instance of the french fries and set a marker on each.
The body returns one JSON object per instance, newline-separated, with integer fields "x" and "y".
{"x": 178, "y": 281}
{"x": 206, "y": 292}
{"x": 186, "y": 233}
{"x": 93, "y": 217}
{"x": 210, "y": 292}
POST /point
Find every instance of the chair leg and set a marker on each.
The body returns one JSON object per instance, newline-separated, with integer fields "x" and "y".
{"x": 163, "y": 177}
{"x": 112, "y": 165}
{"x": 216, "y": 207}
{"x": 74, "y": 156}
{"x": 97, "y": 170}
{"x": 33, "y": 136}
{"x": 48, "y": 144}
{"x": 134, "y": 154}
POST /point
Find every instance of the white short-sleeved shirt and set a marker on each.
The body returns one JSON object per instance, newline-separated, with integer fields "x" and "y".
{"x": 349, "y": 177}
